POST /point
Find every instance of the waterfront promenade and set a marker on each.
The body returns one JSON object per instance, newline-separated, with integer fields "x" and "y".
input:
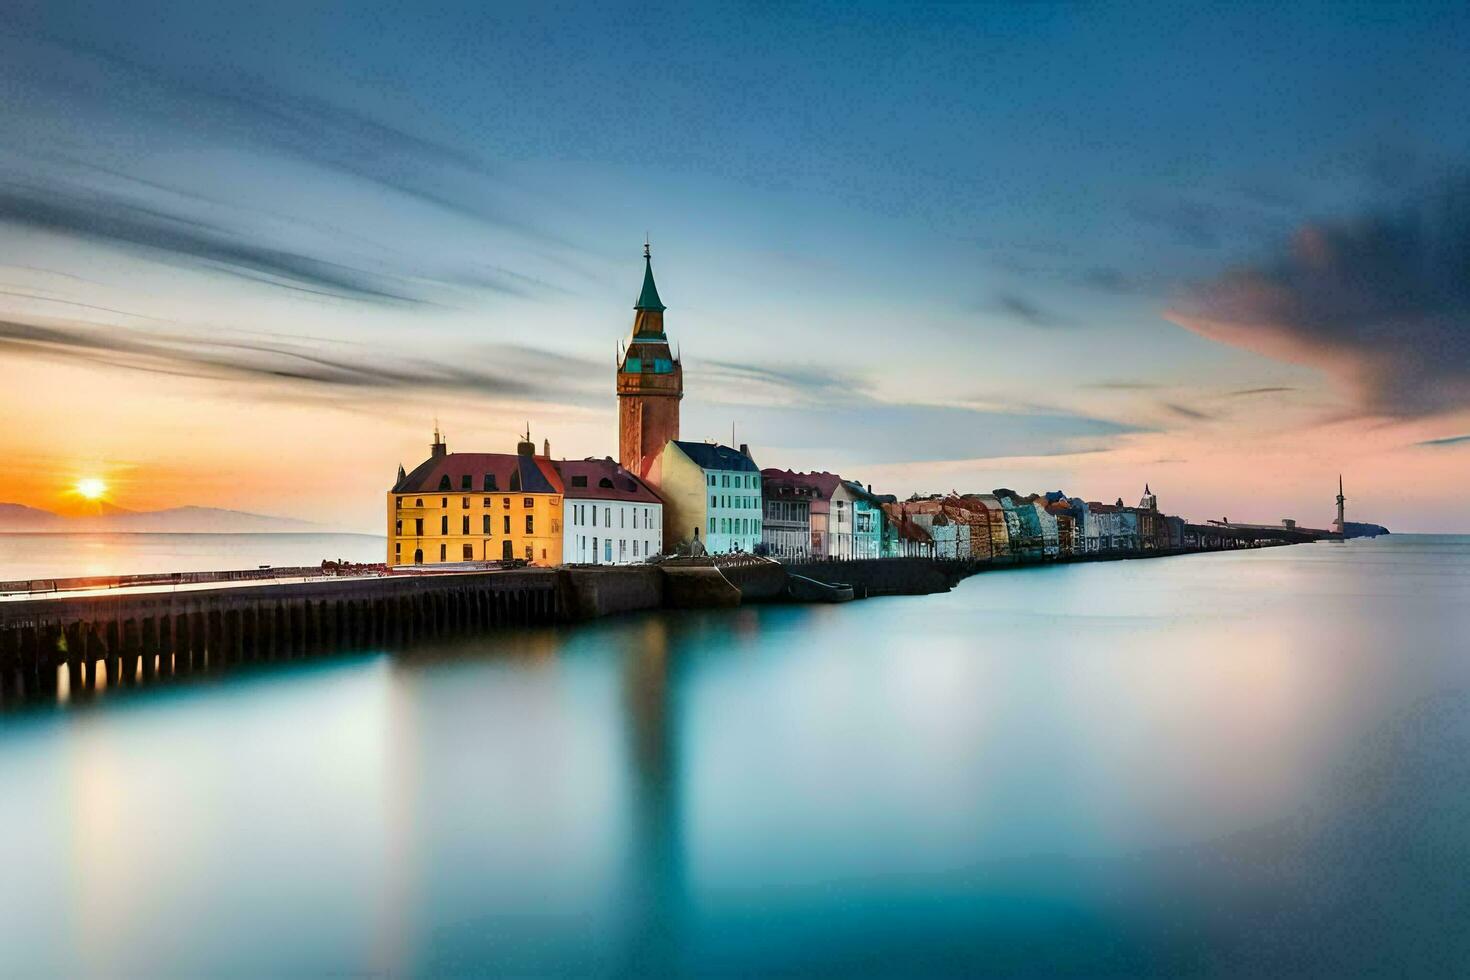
{"x": 68, "y": 642}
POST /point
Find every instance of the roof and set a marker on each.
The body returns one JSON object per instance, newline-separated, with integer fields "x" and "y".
{"x": 713, "y": 456}
{"x": 863, "y": 493}
{"x": 603, "y": 479}
{"x": 825, "y": 484}
{"x": 534, "y": 474}
{"x": 648, "y": 298}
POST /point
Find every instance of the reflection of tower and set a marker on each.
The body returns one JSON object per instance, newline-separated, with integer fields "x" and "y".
{"x": 655, "y": 889}
{"x": 650, "y": 382}
{"x": 1341, "y": 521}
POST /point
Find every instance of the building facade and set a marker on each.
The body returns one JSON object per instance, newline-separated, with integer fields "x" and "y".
{"x": 476, "y": 507}
{"x": 786, "y": 528}
{"x": 611, "y": 516}
{"x": 711, "y": 494}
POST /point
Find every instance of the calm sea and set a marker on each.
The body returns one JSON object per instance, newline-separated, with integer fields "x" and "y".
{"x": 29, "y": 556}
{"x": 1252, "y": 764}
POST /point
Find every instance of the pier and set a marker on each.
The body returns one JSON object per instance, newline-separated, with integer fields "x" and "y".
{"x": 127, "y": 632}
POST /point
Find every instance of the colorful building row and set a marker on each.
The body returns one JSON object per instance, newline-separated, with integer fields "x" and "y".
{"x": 666, "y": 495}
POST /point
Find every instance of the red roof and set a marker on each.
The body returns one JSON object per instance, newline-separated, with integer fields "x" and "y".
{"x": 603, "y": 479}
{"x": 512, "y": 473}
{"x": 825, "y": 484}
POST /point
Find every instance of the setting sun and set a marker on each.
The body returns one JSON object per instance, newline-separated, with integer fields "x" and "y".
{"x": 91, "y": 488}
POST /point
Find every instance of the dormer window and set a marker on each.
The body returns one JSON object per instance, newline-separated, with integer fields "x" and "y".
{"x": 490, "y": 483}
{"x": 605, "y": 483}
{"x": 579, "y": 481}
{"x": 466, "y": 482}
{"x": 444, "y": 483}
{"x": 515, "y": 481}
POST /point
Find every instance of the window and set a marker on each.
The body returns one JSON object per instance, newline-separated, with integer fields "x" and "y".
{"x": 489, "y": 485}
{"x": 579, "y": 481}
{"x": 444, "y": 483}
{"x": 530, "y": 524}
{"x": 485, "y": 526}
{"x": 398, "y": 548}
{"x": 419, "y": 502}
{"x": 724, "y": 480}
{"x": 443, "y": 552}
{"x": 444, "y": 524}
{"x": 711, "y": 525}
{"x": 444, "y": 501}
{"x": 487, "y": 502}
{"x": 711, "y": 479}
{"x": 469, "y": 553}
{"x": 528, "y": 502}
{"x": 555, "y": 526}
{"x": 466, "y": 482}
{"x": 418, "y": 526}
{"x": 507, "y": 523}
{"x": 464, "y": 503}
{"x": 464, "y": 524}
{"x": 398, "y": 502}
{"x": 398, "y": 527}
{"x": 605, "y": 483}
{"x": 594, "y": 551}
{"x": 607, "y": 516}
{"x": 622, "y": 517}
{"x": 530, "y": 554}
{"x": 594, "y": 516}
{"x": 607, "y": 550}
{"x": 505, "y": 502}
{"x": 633, "y": 365}
{"x": 635, "y": 547}
{"x": 714, "y": 501}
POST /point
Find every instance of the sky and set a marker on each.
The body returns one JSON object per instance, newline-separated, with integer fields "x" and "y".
{"x": 249, "y": 254}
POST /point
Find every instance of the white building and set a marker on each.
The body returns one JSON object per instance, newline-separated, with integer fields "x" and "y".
{"x": 609, "y": 516}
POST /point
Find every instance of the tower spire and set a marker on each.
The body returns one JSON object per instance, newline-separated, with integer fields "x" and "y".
{"x": 648, "y": 300}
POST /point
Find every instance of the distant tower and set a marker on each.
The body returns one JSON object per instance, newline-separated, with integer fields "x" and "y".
{"x": 1149, "y": 501}
{"x": 1341, "y": 521}
{"x": 650, "y": 382}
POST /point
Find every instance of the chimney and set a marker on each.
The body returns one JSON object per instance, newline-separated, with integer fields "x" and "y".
{"x": 745, "y": 449}
{"x": 438, "y": 448}
{"x": 526, "y": 447}
{"x": 547, "y": 451}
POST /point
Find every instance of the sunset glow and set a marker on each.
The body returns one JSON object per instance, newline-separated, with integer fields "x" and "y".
{"x": 91, "y": 488}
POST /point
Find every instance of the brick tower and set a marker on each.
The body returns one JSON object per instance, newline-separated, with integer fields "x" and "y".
{"x": 650, "y": 382}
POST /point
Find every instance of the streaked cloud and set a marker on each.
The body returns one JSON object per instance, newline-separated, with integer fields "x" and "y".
{"x": 509, "y": 371}
{"x": 1245, "y": 392}
{"x": 1446, "y": 441}
{"x": 1185, "y": 412}
{"x": 1380, "y": 302}
{"x": 1028, "y": 311}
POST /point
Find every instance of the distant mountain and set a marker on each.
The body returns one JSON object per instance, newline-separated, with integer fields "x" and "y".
{"x": 177, "y": 520}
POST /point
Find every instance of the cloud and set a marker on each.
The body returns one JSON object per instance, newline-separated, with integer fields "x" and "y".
{"x": 734, "y": 383}
{"x": 518, "y": 372}
{"x": 1259, "y": 391}
{"x": 1381, "y": 303}
{"x": 1446, "y": 441}
{"x": 114, "y": 221}
{"x": 1123, "y": 385}
{"x": 1185, "y": 412}
{"x": 1028, "y": 312}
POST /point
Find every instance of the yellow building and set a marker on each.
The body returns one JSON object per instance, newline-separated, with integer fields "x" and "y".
{"x": 458, "y": 507}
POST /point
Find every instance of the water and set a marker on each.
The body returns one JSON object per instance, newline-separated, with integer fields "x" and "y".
{"x": 33, "y": 556}
{"x": 1244, "y": 764}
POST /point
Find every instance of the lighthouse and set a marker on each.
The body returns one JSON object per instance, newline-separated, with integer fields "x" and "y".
{"x": 1341, "y": 522}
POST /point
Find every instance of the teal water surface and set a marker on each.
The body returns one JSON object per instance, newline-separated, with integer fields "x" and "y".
{"x": 1246, "y": 764}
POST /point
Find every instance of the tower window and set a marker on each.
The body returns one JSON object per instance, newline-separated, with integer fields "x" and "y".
{"x": 633, "y": 365}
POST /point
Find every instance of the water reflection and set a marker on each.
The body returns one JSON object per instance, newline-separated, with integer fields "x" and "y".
{"x": 1137, "y": 768}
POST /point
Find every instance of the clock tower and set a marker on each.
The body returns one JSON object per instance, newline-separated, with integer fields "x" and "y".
{"x": 650, "y": 382}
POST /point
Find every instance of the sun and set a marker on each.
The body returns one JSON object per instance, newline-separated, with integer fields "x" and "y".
{"x": 91, "y": 488}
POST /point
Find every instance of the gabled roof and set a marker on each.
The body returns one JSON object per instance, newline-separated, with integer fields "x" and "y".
{"x": 595, "y": 474}
{"x": 533, "y": 474}
{"x": 648, "y": 298}
{"x": 825, "y": 484}
{"x": 713, "y": 456}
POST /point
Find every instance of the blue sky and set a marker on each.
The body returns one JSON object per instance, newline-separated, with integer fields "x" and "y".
{"x": 979, "y": 239}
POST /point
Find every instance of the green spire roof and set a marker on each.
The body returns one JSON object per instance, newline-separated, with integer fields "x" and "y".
{"x": 648, "y": 299}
